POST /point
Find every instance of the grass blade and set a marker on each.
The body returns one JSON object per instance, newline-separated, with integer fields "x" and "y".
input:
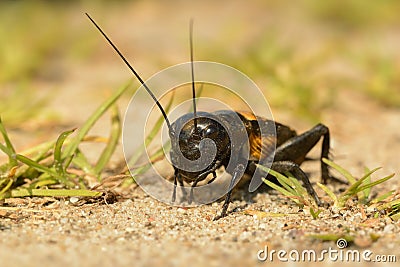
{"x": 361, "y": 188}
{"x": 364, "y": 195}
{"x": 286, "y": 188}
{"x": 6, "y": 138}
{"x": 8, "y": 185}
{"x": 43, "y": 182}
{"x": 83, "y": 163}
{"x": 116, "y": 129}
{"x": 58, "y": 162}
{"x": 356, "y": 184}
{"x": 71, "y": 148}
{"x": 24, "y": 192}
{"x": 341, "y": 170}
{"x": 44, "y": 169}
{"x": 382, "y": 197}
{"x": 314, "y": 214}
{"x": 278, "y": 188}
{"x": 8, "y": 148}
{"x": 149, "y": 138}
{"x": 329, "y": 193}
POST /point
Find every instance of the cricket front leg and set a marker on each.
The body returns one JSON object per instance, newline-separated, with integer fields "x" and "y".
{"x": 178, "y": 178}
{"x": 236, "y": 175}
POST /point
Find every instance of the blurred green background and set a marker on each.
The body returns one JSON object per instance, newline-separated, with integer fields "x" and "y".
{"x": 53, "y": 64}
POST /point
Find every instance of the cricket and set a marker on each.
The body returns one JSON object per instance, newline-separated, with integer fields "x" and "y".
{"x": 286, "y": 149}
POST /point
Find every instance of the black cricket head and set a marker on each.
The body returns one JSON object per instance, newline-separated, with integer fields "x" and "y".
{"x": 197, "y": 141}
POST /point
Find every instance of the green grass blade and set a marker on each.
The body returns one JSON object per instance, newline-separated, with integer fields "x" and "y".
{"x": 395, "y": 217}
{"x": 58, "y": 162}
{"x": 389, "y": 205}
{"x": 278, "y": 188}
{"x": 361, "y": 188}
{"x": 24, "y": 192}
{"x": 297, "y": 186}
{"x": 141, "y": 170}
{"x": 8, "y": 148}
{"x": 44, "y": 169}
{"x": 356, "y": 185}
{"x": 6, "y": 138}
{"x": 38, "y": 153}
{"x": 158, "y": 123}
{"x": 364, "y": 195}
{"x": 314, "y": 214}
{"x": 158, "y": 154}
{"x": 329, "y": 192}
{"x": 83, "y": 163}
{"x": 40, "y": 148}
{"x": 352, "y": 190}
{"x": 43, "y": 182}
{"x": 71, "y": 148}
{"x": 116, "y": 129}
{"x": 341, "y": 170}
{"x": 382, "y": 197}
{"x": 286, "y": 183}
{"x": 331, "y": 237}
{"x": 149, "y": 138}
{"x": 8, "y": 182}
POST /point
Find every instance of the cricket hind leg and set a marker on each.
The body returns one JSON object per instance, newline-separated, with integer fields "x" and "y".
{"x": 289, "y": 166}
{"x": 296, "y": 149}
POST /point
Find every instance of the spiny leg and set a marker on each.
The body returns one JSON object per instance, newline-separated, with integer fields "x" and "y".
{"x": 175, "y": 184}
{"x": 325, "y": 154}
{"x": 289, "y": 166}
{"x": 213, "y": 179}
{"x": 297, "y": 147}
{"x": 180, "y": 180}
{"x": 194, "y": 184}
{"x": 235, "y": 177}
{"x": 203, "y": 176}
{"x": 177, "y": 177}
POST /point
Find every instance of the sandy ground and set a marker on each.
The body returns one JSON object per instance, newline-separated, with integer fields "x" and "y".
{"x": 141, "y": 231}
{"x": 137, "y": 230}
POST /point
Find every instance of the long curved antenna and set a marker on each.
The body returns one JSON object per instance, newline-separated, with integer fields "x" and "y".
{"x": 134, "y": 72}
{"x": 192, "y": 69}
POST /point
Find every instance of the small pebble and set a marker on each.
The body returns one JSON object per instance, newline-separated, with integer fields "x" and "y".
{"x": 371, "y": 209}
{"x": 73, "y": 200}
{"x": 180, "y": 210}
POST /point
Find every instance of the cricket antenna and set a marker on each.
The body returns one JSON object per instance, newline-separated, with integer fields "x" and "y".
{"x": 134, "y": 72}
{"x": 192, "y": 69}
